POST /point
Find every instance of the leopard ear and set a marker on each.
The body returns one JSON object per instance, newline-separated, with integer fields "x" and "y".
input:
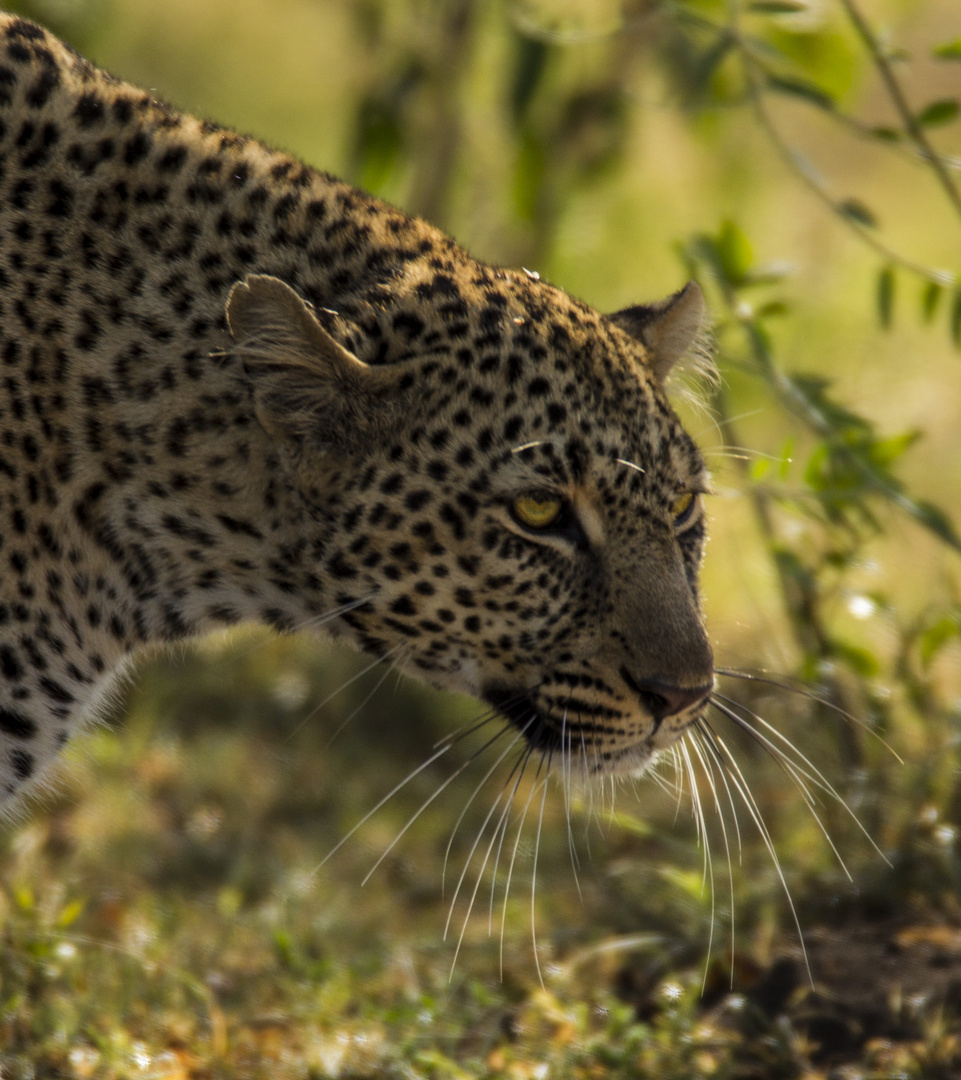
{"x": 307, "y": 386}
{"x": 667, "y": 329}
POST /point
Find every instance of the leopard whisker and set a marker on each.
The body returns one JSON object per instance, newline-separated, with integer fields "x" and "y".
{"x": 737, "y": 778}
{"x": 810, "y": 695}
{"x": 517, "y": 839}
{"x": 801, "y": 769}
{"x": 341, "y": 688}
{"x": 395, "y": 663}
{"x": 501, "y": 828}
{"x": 480, "y": 832}
{"x": 630, "y": 465}
{"x": 479, "y": 878}
{"x": 427, "y": 802}
{"x": 383, "y": 802}
{"x": 537, "y": 848}
{"x": 440, "y": 749}
{"x": 800, "y": 777}
{"x": 704, "y": 839}
{"x": 567, "y": 782}
{"x": 315, "y": 622}
{"x": 520, "y": 734}
{"x": 708, "y": 760}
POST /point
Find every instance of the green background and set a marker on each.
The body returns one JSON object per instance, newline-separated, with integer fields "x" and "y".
{"x": 167, "y": 910}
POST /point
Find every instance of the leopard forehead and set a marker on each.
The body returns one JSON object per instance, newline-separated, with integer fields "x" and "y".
{"x": 235, "y": 388}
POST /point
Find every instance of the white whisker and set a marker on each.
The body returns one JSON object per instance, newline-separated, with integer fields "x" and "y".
{"x": 802, "y": 770}
{"x": 747, "y": 798}
{"x": 811, "y": 695}
{"x": 340, "y": 689}
{"x": 537, "y": 848}
{"x": 390, "y": 794}
{"x": 480, "y": 831}
{"x": 315, "y": 622}
{"x": 517, "y": 840}
{"x": 630, "y": 465}
{"x": 427, "y": 802}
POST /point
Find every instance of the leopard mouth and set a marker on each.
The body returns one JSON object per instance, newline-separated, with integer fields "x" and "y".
{"x": 580, "y": 732}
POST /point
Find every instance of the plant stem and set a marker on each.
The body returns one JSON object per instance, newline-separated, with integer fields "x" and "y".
{"x": 911, "y": 125}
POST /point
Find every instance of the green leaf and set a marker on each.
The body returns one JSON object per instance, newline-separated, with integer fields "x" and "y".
{"x": 885, "y": 296}
{"x": 936, "y": 636}
{"x": 856, "y": 211}
{"x": 860, "y": 660}
{"x": 938, "y": 112}
{"x": 759, "y": 469}
{"x": 951, "y": 50}
{"x": 886, "y": 134}
{"x": 956, "y": 319}
{"x": 936, "y": 520}
{"x": 529, "y": 175}
{"x": 379, "y": 139}
{"x": 709, "y": 62}
{"x": 801, "y": 88}
{"x": 884, "y": 452}
{"x": 734, "y": 252}
{"x": 929, "y": 300}
{"x": 531, "y": 62}
{"x": 70, "y": 913}
{"x": 779, "y": 7}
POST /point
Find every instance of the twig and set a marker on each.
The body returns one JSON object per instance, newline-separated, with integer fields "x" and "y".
{"x": 911, "y": 125}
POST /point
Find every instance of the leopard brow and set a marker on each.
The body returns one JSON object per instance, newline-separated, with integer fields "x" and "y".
{"x": 546, "y": 442}
{"x": 554, "y": 461}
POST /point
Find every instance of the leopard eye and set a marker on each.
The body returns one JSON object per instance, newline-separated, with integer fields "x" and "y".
{"x": 682, "y": 507}
{"x": 537, "y": 511}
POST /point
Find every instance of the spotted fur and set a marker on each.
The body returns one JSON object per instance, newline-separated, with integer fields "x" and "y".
{"x": 233, "y": 388}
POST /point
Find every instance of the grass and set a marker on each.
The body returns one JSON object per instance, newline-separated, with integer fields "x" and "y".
{"x": 171, "y": 911}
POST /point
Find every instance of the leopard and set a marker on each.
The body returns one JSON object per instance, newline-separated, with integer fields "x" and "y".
{"x": 234, "y": 388}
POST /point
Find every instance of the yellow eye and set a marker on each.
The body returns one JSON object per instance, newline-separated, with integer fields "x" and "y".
{"x": 682, "y": 507}
{"x": 537, "y": 511}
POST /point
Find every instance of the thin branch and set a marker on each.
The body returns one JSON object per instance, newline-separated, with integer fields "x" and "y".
{"x": 911, "y": 125}
{"x": 821, "y": 191}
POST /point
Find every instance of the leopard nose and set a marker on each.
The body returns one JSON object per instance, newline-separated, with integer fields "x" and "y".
{"x": 662, "y": 699}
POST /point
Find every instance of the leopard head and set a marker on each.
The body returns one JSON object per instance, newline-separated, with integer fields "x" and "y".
{"x": 503, "y": 497}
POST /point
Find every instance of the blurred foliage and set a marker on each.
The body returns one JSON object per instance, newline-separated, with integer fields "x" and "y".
{"x": 169, "y": 913}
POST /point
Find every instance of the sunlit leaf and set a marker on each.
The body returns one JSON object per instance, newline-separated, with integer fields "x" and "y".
{"x": 69, "y": 913}
{"x": 801, "y": 88}
{"x": 864, "y": 662}
{"x": 951, "y": 50}
{"x": 759, "y": 469}
{"x": 734, "y": 251}
{"x": 529, "y": 174}
{"x": 929, "y": 300}
{"x": 529, "y": 67}
{"x": 934, "y": 518}
{"x": 704, "y": 69}
{"x": 885, "y": 296}
{"x": 933, "y": 639}
{"x": 378, "y": 139}
{"x": 857, "y": 211}
{"x": 937, "y": 113}
{"x": 884, "y": 452}
{"x": 779, "y": 7}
